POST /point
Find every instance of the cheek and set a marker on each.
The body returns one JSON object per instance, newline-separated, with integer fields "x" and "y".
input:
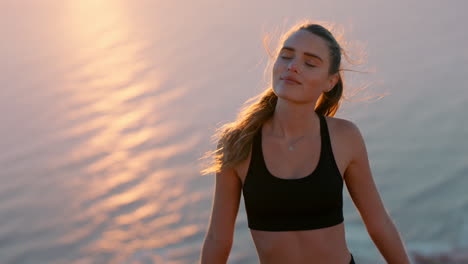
{"x": 320, "y": 76}
{"x": 316, "y": 82}
{"x": 278, "y": 67}
{"x": 275, "y": 69}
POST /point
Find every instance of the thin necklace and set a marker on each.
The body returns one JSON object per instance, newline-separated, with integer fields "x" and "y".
{"x": 291, "y": 148}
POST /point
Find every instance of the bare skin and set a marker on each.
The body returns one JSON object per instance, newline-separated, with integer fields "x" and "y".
{"x": 292, "y": 119}
{"x": 300, "y": 75}
{"x": 326, "y": 245}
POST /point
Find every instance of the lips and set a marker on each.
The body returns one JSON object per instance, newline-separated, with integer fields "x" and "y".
{"x": 290, "y": 79}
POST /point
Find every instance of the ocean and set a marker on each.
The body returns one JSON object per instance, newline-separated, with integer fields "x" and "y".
{"x": 108, "y": 106}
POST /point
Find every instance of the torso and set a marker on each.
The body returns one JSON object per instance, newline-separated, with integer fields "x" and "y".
{"x": 324, "y": 245}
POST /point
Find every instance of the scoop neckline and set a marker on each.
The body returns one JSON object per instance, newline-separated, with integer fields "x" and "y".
{"x": 314, "y": 171}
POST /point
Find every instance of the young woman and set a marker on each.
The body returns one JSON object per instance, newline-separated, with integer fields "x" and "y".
{"x": 290, "y": 157}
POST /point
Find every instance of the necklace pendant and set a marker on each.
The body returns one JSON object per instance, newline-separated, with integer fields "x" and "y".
{"x": 291, "y": 148}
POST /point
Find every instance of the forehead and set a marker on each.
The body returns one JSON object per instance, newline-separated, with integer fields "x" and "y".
{"x": 304, "y": 41}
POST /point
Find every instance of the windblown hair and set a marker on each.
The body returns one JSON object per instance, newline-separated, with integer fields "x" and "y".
{"x": 235, "y": 138}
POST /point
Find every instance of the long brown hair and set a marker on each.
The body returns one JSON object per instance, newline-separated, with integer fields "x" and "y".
{"x": 235, "y": 138}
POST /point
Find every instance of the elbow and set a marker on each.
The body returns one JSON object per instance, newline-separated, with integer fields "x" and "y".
{"x": 376, "y": 231}
{"x": 221, "y": 239}
{"x": 215, "y": 251}
{"x": 381, "y": 227}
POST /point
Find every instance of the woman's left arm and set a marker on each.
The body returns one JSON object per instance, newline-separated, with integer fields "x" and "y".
{"x": 365, "y": 196}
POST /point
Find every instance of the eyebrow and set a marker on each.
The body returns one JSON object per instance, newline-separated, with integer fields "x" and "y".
{"x": 306, "y": 53}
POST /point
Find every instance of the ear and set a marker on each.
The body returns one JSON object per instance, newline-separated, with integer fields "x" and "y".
{"x": 333, "y": 80}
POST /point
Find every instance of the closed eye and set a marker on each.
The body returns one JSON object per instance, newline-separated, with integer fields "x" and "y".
{"x": 288, "y": 58}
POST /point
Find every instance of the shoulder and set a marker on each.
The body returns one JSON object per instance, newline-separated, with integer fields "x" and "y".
{"x": 347, "y": 134}
{"x": 344, "y": 127}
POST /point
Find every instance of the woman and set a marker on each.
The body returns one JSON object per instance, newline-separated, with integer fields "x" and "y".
{"x": 290, "y": 162}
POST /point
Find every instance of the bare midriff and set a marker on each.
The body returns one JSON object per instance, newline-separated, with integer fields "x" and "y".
{"x": 318, "y": 246}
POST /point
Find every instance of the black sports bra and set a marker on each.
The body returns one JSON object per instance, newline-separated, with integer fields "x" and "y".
{"x": 311, "y": 202}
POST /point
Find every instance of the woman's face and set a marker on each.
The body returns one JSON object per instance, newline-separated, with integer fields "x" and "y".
{"x": 305, "y": 58}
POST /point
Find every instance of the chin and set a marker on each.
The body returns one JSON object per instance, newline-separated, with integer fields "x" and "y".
{"x": 284, "y": 89}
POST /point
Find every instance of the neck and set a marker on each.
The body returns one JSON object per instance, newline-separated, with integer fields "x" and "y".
{"x": 292, "y": 121}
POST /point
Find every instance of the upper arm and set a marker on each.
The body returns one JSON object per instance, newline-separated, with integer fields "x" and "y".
{"x": 225, "y": 206}
{"x": 360, "y": 182}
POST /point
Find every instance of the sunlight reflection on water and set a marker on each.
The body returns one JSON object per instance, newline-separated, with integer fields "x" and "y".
{"x": 107, "y": 105}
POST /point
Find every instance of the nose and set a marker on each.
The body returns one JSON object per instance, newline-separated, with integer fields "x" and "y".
{"x": 292, "y": 66}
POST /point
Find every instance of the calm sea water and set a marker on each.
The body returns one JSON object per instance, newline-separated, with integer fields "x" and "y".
{"x": 106, "y": 107}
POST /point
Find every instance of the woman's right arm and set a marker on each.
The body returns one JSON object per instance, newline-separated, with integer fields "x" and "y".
{"x": 219, "y": 237}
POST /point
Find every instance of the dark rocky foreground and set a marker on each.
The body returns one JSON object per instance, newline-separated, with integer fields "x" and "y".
{"x": 456, "y": 256}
